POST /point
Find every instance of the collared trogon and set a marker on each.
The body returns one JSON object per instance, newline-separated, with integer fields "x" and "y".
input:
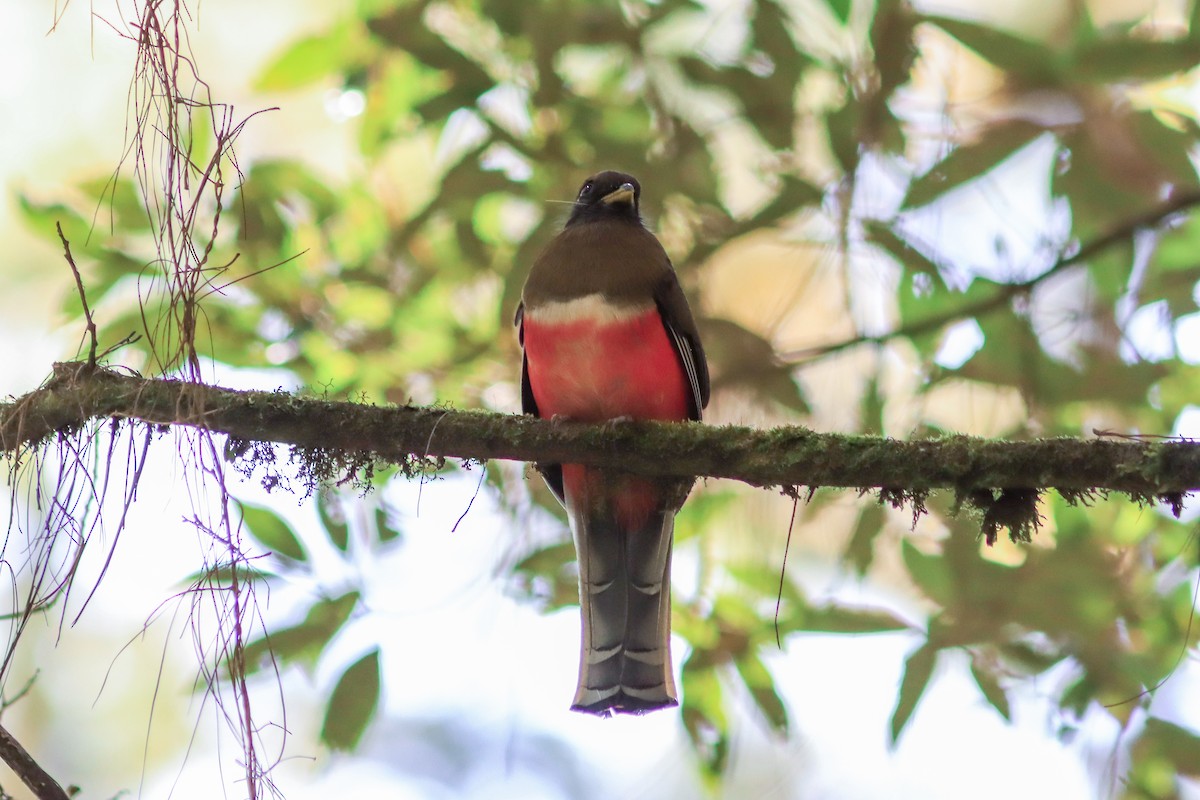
{"x": 607, "y": 334}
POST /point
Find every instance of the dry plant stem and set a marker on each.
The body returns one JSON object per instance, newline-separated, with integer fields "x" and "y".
{"x": 29, "y": 771}
{"x": 87, "y": 312}
{"x": 787, "y": 456}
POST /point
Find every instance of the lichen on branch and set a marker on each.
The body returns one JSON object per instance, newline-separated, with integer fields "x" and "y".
{"x": 784, "y": 456}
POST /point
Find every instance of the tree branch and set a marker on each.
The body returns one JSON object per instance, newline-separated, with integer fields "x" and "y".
{"x": 29, "y": 771}
{"x": 1120, "y": 233}
{"x": 786, "y": 456}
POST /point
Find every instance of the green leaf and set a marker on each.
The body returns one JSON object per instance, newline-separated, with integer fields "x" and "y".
{"x": 353, "y": 704}
{"x": 1085, "y": 178}
{"x": 223, "y": 574}
{"x": 884, "y": 235}
{"x": 968, "y": 162}
{"x": 929, "y": 572}
{"x": 860, "y": 551}
{"x": 1028, "y": 658}
{"x": 841, "y": 9}
{"x": 333, "y": 518}
{"x": 385, "y": 525}
{"x": 1166, "y": 147}
{"x": 1112, "y": 60}
{"x": 119, "y": 203}
{"x": 548, "y": 574}
{"x": 315, "y": 58}
{"x": 704, "y": 718}
{"x": 302, "y": 643}
{"x": 272, "y": 532}
{"x": 989, "y": 685}
{"x": 842, "y": 128}
{"x": 1180, "y": 746}
{"x": 1078, "y": 696}
{"x": 832, "y": 618}
{"x": 1032, "y": 61}
{"x": 794, "y": 195}
{"x": 758, "y": 680}
{"x": 741, "y": 358}
{"x": 547, "y": 559}
{"x": 917, "y": 671}
{"x": 891, "y": 35}
{"x": 764, "y": 580}
{"x": 702, "y": 510}
{"x": 871, "y": 408}
{"x": 41, "y": 218}
{"x": 1012, "y": 356}
{"x": 770, "y": 100}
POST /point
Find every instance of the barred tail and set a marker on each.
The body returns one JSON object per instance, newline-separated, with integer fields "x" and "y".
{"x": 625, "y": 598}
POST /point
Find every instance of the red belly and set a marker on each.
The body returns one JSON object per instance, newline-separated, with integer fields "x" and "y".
{"x": 591, "y": 371}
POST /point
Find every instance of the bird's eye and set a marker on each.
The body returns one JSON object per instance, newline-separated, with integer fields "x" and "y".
{"x": 587, "y": 189}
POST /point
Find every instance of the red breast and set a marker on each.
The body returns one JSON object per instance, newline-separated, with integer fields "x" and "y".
{"x": 591, "y": 360}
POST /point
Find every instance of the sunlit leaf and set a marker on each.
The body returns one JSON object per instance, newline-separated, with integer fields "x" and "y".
{"x": 309, "y": 60}
{"x": 119, "y": 204}
{"x": 272, "y": 532}
{"x": 42, "y": 219}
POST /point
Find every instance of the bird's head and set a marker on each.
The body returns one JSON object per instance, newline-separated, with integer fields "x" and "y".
{"x": 607, "y": 195}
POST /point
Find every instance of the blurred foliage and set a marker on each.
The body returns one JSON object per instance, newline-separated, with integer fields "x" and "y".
{"x": 831, "y": 123}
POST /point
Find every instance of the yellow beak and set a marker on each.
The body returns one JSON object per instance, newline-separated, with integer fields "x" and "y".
{"x": 624, "y": 194}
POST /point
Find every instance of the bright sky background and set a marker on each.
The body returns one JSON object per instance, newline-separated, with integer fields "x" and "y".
{"x": 477, "y": 685}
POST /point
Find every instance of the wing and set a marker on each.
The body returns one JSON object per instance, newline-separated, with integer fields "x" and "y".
{"x": 528, "y": 403}
{"x": 552, "y": 473}
{"x": 681, "y": 329}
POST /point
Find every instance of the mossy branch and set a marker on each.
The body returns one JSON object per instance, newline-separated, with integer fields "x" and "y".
{"x": 786, "y": 456}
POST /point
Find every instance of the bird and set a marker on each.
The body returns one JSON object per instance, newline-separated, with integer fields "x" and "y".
{"x": 606, "y": 334}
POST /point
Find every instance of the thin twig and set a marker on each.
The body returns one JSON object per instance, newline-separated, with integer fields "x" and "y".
{"x": 795, "y": 495}
{"x": 87, "y": 312}
{"x": 29, "y": 771}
